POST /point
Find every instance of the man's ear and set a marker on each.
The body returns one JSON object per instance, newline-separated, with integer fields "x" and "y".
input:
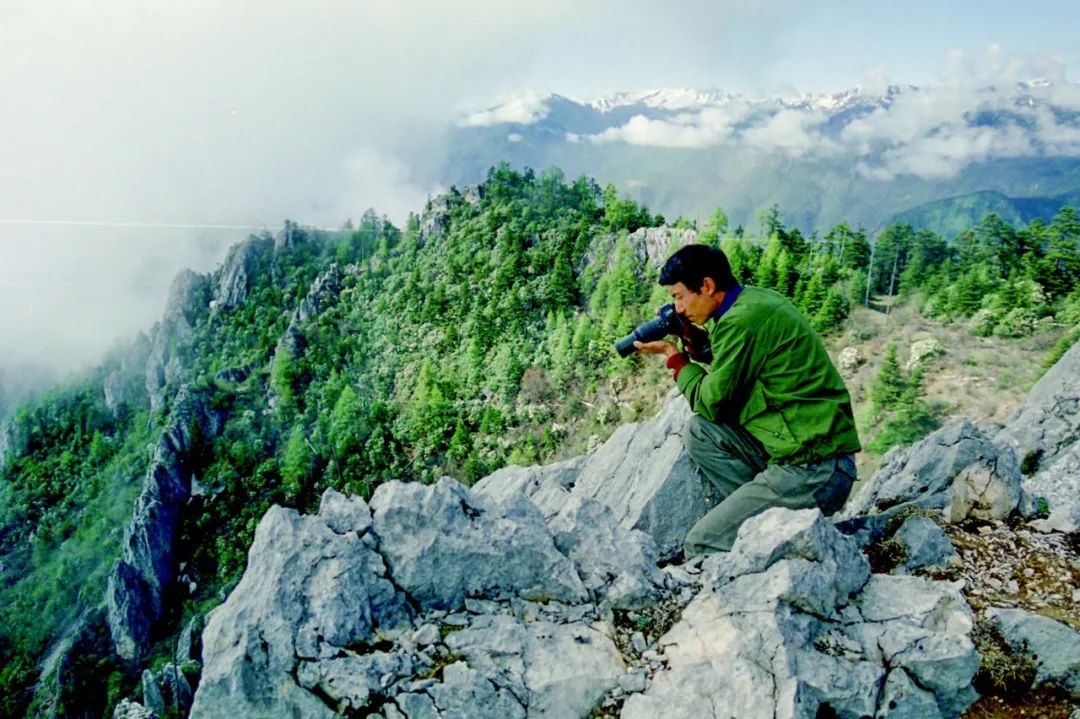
{"x": 708, "y": 286}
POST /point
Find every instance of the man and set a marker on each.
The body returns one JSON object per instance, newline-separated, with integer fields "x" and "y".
{"x": 772, "y": 424}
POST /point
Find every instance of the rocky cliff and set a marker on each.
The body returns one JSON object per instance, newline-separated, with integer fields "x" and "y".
{"x": 540, "y": 592}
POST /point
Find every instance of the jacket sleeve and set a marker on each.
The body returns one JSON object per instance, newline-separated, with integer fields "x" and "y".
{"x": 711, "y": 391}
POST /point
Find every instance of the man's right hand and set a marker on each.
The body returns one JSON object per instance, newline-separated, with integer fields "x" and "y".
{"x": 660, "y": 347}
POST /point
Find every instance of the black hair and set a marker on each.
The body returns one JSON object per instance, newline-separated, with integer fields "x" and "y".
{"x": 693, "y": 263}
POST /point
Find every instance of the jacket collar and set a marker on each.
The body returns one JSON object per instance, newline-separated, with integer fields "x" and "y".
{"x": 729, "y": 299}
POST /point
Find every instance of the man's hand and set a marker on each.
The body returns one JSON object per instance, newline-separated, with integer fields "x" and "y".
{"x": 660, "y": 347}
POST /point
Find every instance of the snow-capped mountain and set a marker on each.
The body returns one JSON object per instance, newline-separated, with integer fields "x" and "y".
{"x": 864, "y": 154}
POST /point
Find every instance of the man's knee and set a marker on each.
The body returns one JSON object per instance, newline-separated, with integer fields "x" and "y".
{"x": 699, "y": 437}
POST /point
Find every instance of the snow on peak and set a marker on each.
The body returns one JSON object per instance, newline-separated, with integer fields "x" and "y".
{"x": 662, "y": 99}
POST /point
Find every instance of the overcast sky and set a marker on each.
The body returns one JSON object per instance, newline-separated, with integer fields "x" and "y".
{"x": 210, "y": 112}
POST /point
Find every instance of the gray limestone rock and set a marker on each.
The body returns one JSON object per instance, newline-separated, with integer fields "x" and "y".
{"x": 140, "y": 577}
{"x": 778, "y": 632}
{"x": 152, "y": 697}
{"x": 174, "y": 688}
{"x": 902, "y": 698}
{"x": 1054, "y": 647}
{"x": 187, "y": 644}
{"x": 617, "y": 565}
{"x": 308, "y": 591}
{"x": 188, "y": 295}
{"x": 234, "y": 278}
{"x": 830, "y": 567}
{"x": 654, "y": 245}
{"x": 354, "y": 681}
{"x": 926, "y": 545}
{"x": 554, "y": 670}
{"x": 642, "y": 473}
{"x": 443, "y": 543}
{"x": 548, "y": 486}
{"x": 465, "y": 693}
{"x": 128, "y": 709}
{"x": 344, "y": 514}
{"x": 127, "y": 373}
{"x": 1044, "y": 435}
{"x": 957, "y": 470}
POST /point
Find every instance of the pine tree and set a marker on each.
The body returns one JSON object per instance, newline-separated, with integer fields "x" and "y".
{"x": 889, "y": 384}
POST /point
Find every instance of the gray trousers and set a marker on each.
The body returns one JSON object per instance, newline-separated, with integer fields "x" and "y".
{"x": 734, "y": 462}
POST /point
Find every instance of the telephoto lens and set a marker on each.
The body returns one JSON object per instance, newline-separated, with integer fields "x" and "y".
{"x": 665, "y": 323}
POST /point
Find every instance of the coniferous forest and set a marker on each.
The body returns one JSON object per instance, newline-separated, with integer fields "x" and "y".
{"x": 477, "y": 335}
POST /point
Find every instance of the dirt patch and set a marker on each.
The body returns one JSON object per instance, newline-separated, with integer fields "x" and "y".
{"x": 1042, "y": 703}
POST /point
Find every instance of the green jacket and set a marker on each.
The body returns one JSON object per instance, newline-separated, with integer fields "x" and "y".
{"x": 771, "y": 374}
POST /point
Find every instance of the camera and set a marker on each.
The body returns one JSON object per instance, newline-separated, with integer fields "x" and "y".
{"x": 667, "y": 322}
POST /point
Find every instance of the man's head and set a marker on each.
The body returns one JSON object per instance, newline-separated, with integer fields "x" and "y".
{"x": 696, "y": 277}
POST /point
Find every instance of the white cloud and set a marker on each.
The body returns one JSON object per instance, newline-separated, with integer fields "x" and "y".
{"x": 687, "y": 130}
{"x": 523, "y": 109}
{"x": 791, "y": 132}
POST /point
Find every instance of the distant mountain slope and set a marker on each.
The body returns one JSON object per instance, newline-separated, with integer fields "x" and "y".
{"x": 859, "y": 156}
{"x": 951, "y": 216}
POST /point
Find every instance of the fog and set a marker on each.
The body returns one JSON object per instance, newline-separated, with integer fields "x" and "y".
{"x": 124, "y": 120}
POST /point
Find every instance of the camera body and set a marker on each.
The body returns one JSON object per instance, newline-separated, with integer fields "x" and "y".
{"x": 667, "y": 322}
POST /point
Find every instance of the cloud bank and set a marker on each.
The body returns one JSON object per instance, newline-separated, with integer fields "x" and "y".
{"x": 996, "y": 108}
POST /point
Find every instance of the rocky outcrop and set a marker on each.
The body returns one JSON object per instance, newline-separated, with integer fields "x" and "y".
{"x": 921, "y": 352}
{"x": 1053, "y": 646}
{"x": 654, "y": 245}
{"x": 137, "y": 583}
{"x": 234, "y": 278}
{"x": 957, "y": 470}
{"x": 314, "y": 590}
{"x": 443, "y": 544}
{"x": 925, "y": 546}
{"x": 127, "y": 377}
{"x": 337, "y": 614}
{"x": 791, "y": 623}
{"x": 651, "y": 246}
{"x": 642, "y": 473}
{"x": 189, "y": 295}
{"x": 128, "y": 709}
{"x": 352, "y": 608}
{"x": 1044, "y": 435}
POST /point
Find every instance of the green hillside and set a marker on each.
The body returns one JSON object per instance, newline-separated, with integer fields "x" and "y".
{"x": 952, "y": 216}
{"x": 478, "y": 335}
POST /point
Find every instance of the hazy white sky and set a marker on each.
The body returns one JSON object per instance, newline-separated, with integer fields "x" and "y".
{"x": 245, "y": 112}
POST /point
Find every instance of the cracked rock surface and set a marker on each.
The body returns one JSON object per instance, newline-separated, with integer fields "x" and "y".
{"x": 957, "y": 470}
{"x": 1044, "y": 436}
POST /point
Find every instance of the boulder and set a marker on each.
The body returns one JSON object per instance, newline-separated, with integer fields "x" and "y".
{"x": 785, "y": 626}
{"x": 128, "y": 709}
{"x": 548, "y": 486}
{"x": 957, "y": 470}
{"x": 554, "y": 670}
{"x": 849, "y": 360}
{"x": 642, "y": 473}
{"x": 922, "y": 351}
{"x": 925, "y": 544}
{"x": 1053, "y": 646}
{"x": 309, "y": 593}
{"x": 1043, "y": 434}
{"x": 617, "y": 565}
{"x": 443, "y": 543}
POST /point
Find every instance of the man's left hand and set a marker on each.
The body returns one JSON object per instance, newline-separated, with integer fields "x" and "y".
{"x": 660, "y": 347}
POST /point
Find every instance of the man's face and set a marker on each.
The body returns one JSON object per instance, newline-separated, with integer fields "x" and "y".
{"x": 695, "y": 306}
